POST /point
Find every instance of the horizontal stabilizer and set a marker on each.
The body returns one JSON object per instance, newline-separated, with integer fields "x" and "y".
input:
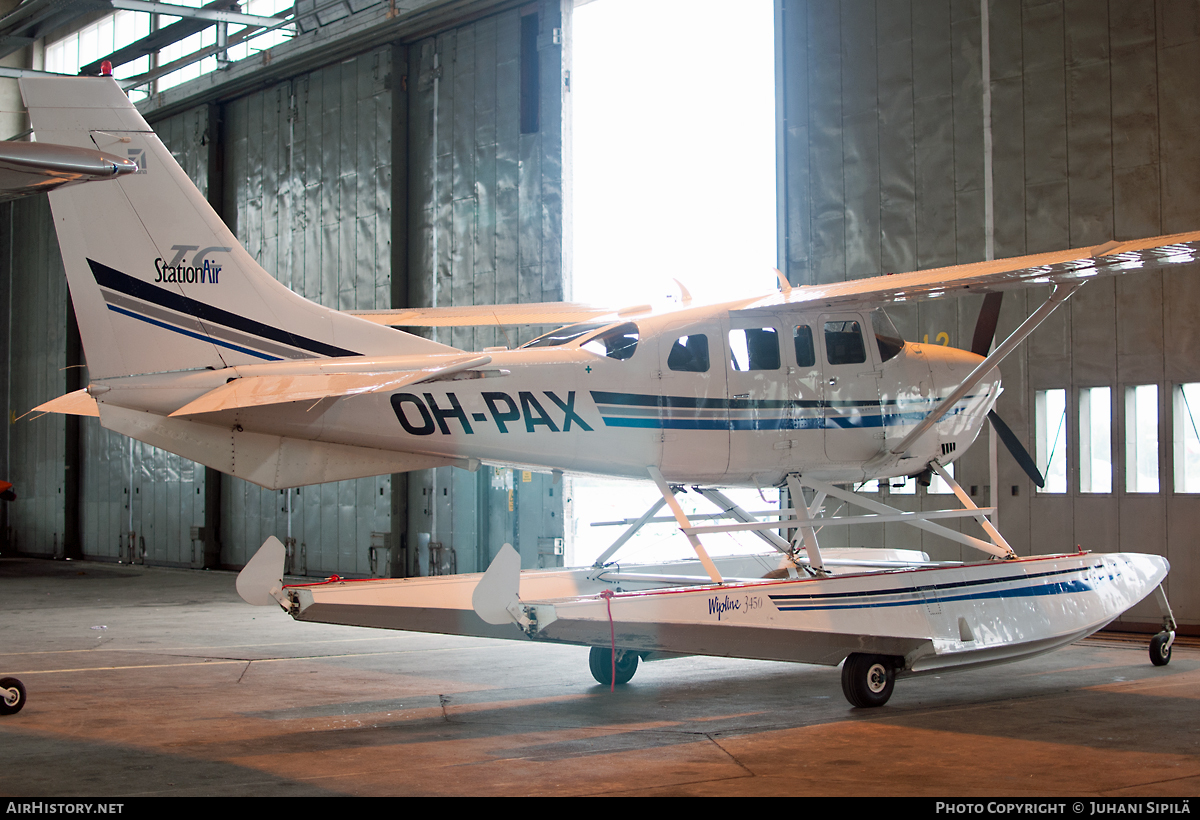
{"x": 77, "y": 403}
{"x": 38, "y": 167}
{"x": 262, "y": 577}
{"x": 274, "y": 462}
{"x": 257, "y": 391}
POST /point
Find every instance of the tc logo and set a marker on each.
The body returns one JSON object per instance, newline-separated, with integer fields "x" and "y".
{"x": 138, "y": 155}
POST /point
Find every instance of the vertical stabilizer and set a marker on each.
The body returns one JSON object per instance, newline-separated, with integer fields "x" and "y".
{"x": 158, "y": 281}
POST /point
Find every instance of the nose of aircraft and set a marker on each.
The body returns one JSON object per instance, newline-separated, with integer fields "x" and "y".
{"x": 953, "y": 360}
{"x": 951, "y": 367}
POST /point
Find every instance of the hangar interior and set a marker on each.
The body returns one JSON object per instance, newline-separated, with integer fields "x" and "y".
{"x": 393, "y": 153}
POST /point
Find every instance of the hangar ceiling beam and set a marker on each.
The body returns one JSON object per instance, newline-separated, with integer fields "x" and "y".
{"x": 213, "y": 15}
{"x": 164, "y": 37}
{"x": 31, "y": 20}
{"x": 375, "y": 25}
{"x": 187, "y": 59}
{"x": 157, "y": 40}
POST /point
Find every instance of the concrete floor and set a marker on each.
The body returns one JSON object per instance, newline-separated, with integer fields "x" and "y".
{"x": 146, "y": 681}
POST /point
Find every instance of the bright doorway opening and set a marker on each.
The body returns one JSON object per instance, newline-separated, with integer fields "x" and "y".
{"x": 673, "y": 175}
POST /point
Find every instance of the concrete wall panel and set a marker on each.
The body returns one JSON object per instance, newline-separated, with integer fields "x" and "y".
{"x": 487, "y": 225}
{"x": 898, "y": 210}
{"x": 1094, "y": 111}
{"x": 37, "y": 354}
{"x": 308, "y": 192}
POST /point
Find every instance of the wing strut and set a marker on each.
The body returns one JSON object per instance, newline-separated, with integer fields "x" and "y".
{"x": 669, "y": 496}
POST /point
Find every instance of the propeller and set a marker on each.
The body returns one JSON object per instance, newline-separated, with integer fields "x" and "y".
{"x": 981, "y": 345}
{"x": 1017, "y": 449}
{"x": 985, "y": 325}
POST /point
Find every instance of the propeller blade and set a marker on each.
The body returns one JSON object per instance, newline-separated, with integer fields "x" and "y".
{"x": 985, "y": 325}
{"x": 1017, "y": 449}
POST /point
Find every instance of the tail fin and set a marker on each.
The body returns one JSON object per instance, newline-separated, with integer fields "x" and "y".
{"x": 158, "y": 282}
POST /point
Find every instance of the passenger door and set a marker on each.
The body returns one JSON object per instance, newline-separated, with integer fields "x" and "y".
{"x": 850, "y": 388}
{"x": 693, "y": 410}
{"x": 760, "y": 402}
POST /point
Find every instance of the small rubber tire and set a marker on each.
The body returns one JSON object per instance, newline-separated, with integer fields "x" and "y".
{"x": 601, "y": 665}
{"x": 7, "y": 708}
{"x": 868, "y": 680}
{"x": 1160, "y": 649}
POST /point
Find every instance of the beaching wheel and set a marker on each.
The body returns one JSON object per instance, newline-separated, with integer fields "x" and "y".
{"x": 12, "y": 696}
{"x": 867, "y": 680}
{"x": 601, "y": 665}
{"x": 1160, "y": 648}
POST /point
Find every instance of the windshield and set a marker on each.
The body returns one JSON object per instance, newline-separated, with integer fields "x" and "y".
{"x": 616, "y": 343}
{"x": 565, "y": 334}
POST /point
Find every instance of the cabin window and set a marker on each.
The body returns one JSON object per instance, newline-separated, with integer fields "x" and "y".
{"x": 1095, "y": 440}
{"x": 806, "y": 354}
{"x": 689, "y": 354}
{"x": 619, "y": 342}
{"x": 754, "y": 349}
{"x": 844, "y": 343}
{"x": 1141, "y": 438}
{"x": 1187, "y": 438}
{"x": 1050, "y": 437}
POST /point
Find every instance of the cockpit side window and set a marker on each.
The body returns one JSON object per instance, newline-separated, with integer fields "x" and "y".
{"x": 755, "y": 348}
{"x": 689, "y": 354}
{"x": 844, "y": 342}
{"x": 806, "y": 354}
{"x": 619, "y": 342}
{"x": 886, "y": 336}
{"x": 889, "y": 347}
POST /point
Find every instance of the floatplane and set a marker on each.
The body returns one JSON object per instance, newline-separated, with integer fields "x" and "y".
{"x": 192, "y": 347}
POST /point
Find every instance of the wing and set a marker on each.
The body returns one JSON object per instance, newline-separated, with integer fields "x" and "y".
{"x": 1072, "y": 265}
{"x": 1056, "y": 267}
{"x": 534, "y": 313}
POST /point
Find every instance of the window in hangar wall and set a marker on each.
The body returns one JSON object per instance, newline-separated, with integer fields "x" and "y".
{"x": 1187, "y": 438}
{"x": 673, "y": 177}
{"x": 1050, "y": 438}
{"x": 1095, "y": 440}
{"x": 1141, "y": 438}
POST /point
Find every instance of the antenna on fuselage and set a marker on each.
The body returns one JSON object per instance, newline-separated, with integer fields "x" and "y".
{"x": 784, "y": 285}
{"x": 685, "y": 295}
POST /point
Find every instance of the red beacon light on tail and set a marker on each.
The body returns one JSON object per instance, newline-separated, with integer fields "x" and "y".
{"x": 106, "y": 68}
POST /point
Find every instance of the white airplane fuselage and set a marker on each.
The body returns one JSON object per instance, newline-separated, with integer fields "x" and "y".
{"x": 805, "y": 407}
{"x": 193, "y": 347}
